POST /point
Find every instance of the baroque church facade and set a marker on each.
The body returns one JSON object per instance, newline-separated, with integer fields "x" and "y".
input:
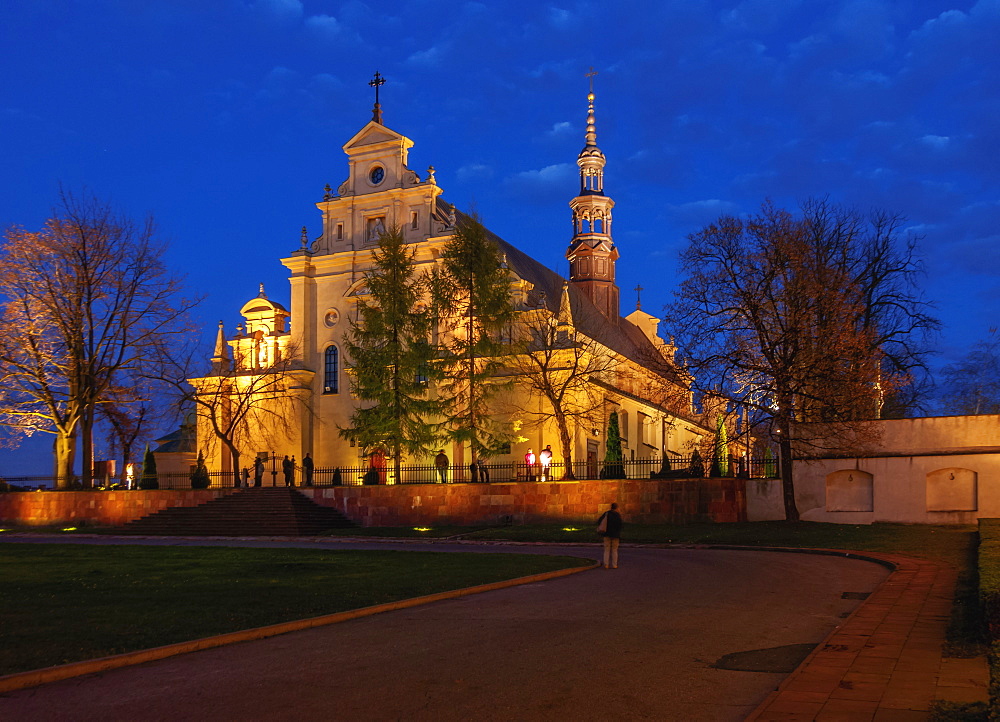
{"x": 645, "y": 386}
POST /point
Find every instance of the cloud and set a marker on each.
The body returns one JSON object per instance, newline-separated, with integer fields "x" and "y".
{"x": 325, "y": 26}
{"x": 936, "y": 141}
{"x": 560, "y": 130}
{"x": 278, "y": 82}
{"x": 284, "y": 10}
{"x": 473, "y": 173}
{"x": 430, "y": 58}
{"x": 699, "y": 213}
{"x": 559, "y": 18}
{"x": 543, "y": 186}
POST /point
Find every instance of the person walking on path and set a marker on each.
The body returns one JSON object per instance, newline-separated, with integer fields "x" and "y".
{"x": 258, "y": 471}
{"x": 286, "y": 469}
{"x": 545, "y": 459}
{"x": 609, "y": 525}
{"x": 307, "y": 467}
{"x": 441, "y": 464}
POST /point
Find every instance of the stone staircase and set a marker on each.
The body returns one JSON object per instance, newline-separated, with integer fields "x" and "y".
{"x": 265, "y": 511}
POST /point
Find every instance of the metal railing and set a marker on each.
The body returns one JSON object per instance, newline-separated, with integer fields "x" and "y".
{"x": 490, "y": 472}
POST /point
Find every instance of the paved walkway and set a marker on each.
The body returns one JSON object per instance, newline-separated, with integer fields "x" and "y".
{"x": 885, "y": 662}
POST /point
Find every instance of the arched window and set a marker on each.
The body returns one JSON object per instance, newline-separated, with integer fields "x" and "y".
{"x": 331, "y": 370}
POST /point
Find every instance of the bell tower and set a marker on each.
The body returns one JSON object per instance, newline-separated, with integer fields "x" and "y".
{"x": 592, "y": 253}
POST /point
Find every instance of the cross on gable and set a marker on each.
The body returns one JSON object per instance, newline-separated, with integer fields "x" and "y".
{"x": 376, "y": 82}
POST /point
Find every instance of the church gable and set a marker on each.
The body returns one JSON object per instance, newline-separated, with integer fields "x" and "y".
{"x": 374, "y": 134}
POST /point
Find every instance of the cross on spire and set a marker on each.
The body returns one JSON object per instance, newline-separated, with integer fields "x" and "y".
{"x": 638, "y": 297}
{"x": 590, "y": 76}
{"x": 376, "y": 82}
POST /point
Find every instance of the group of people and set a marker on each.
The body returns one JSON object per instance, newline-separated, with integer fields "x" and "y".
{"x": 287, "y": 470}
{"x": 478, "y": 471}
{"x": 535, "y": 467}
{"x": 538, "y": 467}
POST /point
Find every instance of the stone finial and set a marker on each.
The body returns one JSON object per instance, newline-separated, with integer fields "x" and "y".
{"x": 304, "y": 239}
{"x": 430, "y": 174}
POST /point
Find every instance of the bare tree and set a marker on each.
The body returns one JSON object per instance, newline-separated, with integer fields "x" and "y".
{"x": 83, "y": 300}
{"x": 972, "y": 384}
{"x": 129, "y": 411}
{"x": 246, "y": 400}
{"x": 561, "y": 365}
{"x": 811, "y": 319}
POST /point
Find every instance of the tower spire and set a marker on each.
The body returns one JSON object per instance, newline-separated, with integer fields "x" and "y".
{"x": 220, "y": 359}
{"x": 592, "y": 253}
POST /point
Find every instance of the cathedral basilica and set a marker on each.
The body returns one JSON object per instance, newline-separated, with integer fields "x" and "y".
{"x": 648, "y": 391}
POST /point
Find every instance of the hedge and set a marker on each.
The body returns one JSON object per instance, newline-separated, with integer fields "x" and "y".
{"x": 989, "y": 599}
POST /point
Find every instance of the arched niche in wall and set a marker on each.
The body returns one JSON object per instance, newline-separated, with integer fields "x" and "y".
{"x": 849, "y": 490}
{"x": 952, "y": 489}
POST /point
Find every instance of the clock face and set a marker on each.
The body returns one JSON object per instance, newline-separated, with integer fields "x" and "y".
{"x": 377, "y": 174}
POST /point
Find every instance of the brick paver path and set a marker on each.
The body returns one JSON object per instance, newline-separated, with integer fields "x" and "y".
{"x": 885, "y": 662}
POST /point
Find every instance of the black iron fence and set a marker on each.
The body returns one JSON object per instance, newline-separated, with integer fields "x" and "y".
{"x": 488, "y": 472}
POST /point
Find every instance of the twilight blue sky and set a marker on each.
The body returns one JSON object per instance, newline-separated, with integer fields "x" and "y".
{"x": 225, "y": 119}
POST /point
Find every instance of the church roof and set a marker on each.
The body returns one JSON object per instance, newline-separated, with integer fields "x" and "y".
{"x": 624, "y": 338}
{"x": 181, "y": 439}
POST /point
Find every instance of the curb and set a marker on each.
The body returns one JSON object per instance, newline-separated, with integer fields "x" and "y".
{"x": 22, "y": 680}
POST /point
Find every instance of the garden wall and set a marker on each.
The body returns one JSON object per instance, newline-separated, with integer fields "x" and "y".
{"x": 648, "y": 501}
{"x": 641, "y": 501}
{"x": 101, "y": 508}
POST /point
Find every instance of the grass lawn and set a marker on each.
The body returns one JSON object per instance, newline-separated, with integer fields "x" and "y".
{"x": 948, "y": 544}
{"x": 65, "y": 603}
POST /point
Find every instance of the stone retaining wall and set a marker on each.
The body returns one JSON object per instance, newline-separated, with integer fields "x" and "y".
{"x": 649, "y": 501}
{"x": 642, "y": 500}
{"x": 100, "y": 508}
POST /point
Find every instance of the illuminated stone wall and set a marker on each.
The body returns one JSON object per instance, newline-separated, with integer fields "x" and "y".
{"x": 641, "y": 501}
{"x": 648, "y": 501}
{"x": 101, "y": 508}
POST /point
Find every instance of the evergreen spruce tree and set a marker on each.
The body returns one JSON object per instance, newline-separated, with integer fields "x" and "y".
{"x": 149, "y": 478}
{"x": 613, "y": 466}
{"x": 471, "y": 290}
{"x": 391, "y": 359}
{"x": 770, "y": 468}
{"x": 720, "y": 449}
{"x": 199, "y": 476}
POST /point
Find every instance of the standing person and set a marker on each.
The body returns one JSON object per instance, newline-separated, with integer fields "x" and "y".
{"x": 307, "y": 466}
{"x": 612, "y": 533}
{"x": 286, "y": 469}
{"x": 545, "y": 459}
{"x": 246, "y": 478}
{"x": 473, "y": 472}
{"x": 378, "y": 463}
{"x": 441, "y": 464}
{"x": 529, "y": 466}
{"x": 258, "y": 471}
{"x": 484, "y": 473}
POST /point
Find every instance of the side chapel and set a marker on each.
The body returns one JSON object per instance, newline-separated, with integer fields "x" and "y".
{"x": 649, "y": 391}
